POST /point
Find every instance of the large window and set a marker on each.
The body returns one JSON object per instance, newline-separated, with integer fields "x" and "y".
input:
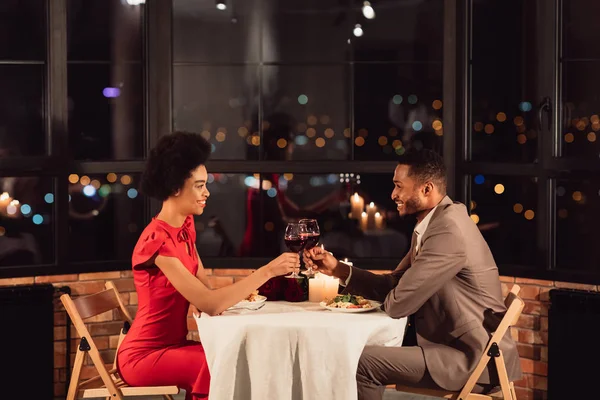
{"x": 529, "y": 150}
{"x": 73, "y": 125}
{"x": 307, "y": 103}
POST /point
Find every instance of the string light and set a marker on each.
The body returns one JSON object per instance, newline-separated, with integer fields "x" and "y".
{"x": 368, "y": 10}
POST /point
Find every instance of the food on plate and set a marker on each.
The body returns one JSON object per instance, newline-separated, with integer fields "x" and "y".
{"x": 252, "y": 297}
{"x": 348, "y": 301}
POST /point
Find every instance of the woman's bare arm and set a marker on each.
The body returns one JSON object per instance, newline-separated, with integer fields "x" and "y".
{"x": 216, "y": 301}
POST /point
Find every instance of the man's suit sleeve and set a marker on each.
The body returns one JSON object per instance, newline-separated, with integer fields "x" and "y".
{"x": 374, "y": 286}
{"x": 441, "y": 257}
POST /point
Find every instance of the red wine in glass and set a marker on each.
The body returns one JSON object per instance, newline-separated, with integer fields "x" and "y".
{"x": 313, "y": 237}
{"x": 295, "y": 244}
{"x": 312, "y": 240}
{"x": 295, "y": 240}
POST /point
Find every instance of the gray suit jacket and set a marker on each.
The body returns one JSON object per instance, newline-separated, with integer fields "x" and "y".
{"x": 453, "y": 289}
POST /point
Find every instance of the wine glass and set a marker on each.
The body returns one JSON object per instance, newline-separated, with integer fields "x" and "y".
{"x": 295, "y": 239}
{"x": 313, "y": 236}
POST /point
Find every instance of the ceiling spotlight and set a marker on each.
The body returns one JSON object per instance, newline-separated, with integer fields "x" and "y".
{"x": 358, "y": 31}
{"x": 368, "y": 11}
{"x": 221, "y": 5}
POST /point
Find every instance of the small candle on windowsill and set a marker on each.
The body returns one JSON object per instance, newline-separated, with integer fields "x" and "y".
{"x": 363, "y": 221}
{"x": 357, "y": 204}
{"x": 323, "y": 247}
{"x": 371, "y": 210}
{"x": 378, "y": 221}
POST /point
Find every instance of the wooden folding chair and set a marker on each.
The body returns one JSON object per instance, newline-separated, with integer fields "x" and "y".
{"x": 514, "y": 307}
{"x": 107, "y": 383}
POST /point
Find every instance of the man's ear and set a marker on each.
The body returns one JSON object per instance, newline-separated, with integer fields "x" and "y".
{"x": 428, "y": 188}
{"x": 177, "y": 193}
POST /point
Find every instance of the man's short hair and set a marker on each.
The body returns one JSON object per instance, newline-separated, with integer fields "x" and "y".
{"x": 425, "y": 165}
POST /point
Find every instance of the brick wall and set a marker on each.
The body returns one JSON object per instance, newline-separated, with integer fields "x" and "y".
{"x": 531, "y": 331}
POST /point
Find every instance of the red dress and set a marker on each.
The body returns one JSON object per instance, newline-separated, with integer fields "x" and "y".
{"x": 155, "y": 351}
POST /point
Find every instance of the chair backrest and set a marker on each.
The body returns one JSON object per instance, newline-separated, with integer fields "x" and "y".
{"x": 101, "y": 302}
{"x": 85, "y": 307}
{"x": 514, "y": 305}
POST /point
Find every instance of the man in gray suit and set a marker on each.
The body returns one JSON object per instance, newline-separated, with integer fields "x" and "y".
{"x": 447, "y": 284}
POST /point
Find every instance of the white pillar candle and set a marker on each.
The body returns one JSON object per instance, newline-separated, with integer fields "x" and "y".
{"x": 316, "y": 289}
{"x": 331, "y": 286}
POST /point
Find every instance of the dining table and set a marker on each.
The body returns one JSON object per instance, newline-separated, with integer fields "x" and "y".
{"x": 291, "y": 350}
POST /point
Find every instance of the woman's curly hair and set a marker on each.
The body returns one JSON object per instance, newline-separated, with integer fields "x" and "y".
{"x": 171, "y": 162}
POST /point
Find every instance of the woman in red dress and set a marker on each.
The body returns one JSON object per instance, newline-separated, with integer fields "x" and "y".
{"x": 169, "y": 274}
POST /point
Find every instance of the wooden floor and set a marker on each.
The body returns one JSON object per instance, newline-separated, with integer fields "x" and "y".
{"x": 389, "y": 395}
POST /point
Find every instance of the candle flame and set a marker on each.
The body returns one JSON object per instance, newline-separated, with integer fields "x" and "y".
{"x": 372, "y": 205}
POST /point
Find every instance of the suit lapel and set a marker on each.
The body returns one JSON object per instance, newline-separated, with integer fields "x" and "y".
{"x": 413, "y": 243}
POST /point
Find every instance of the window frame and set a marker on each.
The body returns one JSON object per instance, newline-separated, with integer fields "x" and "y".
{"x": 549, "y": 166}
{"x": 158, "y": 101}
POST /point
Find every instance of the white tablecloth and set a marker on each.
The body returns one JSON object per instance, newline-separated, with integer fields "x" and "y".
{"x": 295, "y": 351}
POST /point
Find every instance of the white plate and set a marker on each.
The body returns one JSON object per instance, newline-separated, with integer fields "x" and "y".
{"x": 249, "y": 305}
{"x": 375, "y": 305}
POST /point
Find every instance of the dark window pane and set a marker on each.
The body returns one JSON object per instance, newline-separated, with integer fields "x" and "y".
{"x": 22, "y": 30}
{"x": 581, "y": 110}
{"x": 221, "y": 104}
{"x": 397, "y": 107}
{"x": 504, "y": 82}
{"x": 279, "y": 198}
{"x": 246, "y": 215}
{"x": 26, "y": 221}
{"x": 579, "y": 22}
{"x": 305, "y": 30}
{"x": 203, "y": 33}
{"x": 306, "y": 113}
{"x": 504, "y": 208}
{"x": 106, "y": 216}
{"x": 22, "y": 128}
{"x": 577, "y": 215}
{"x": 221, "y": 228}
{"x": 106, "y": 111}
{"x": 401, "y": 30}
{"x": 104, "y": 30}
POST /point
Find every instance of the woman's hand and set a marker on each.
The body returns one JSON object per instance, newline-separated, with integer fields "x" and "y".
{"x": 285, "y": 264}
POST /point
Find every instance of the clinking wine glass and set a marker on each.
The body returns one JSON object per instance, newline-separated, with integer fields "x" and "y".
{"x": 313, "y": 237}
{"x": 295, "y": 239}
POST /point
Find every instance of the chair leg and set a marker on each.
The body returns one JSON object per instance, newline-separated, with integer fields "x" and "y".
{"x": 512, "y": 391}
{"x": 75, "y": 375}
{"x": 466, "y": 390}
{"x": 503, "y": 376}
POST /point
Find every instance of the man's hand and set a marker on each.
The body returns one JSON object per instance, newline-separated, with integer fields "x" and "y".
{"x": 320, "y": 260}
